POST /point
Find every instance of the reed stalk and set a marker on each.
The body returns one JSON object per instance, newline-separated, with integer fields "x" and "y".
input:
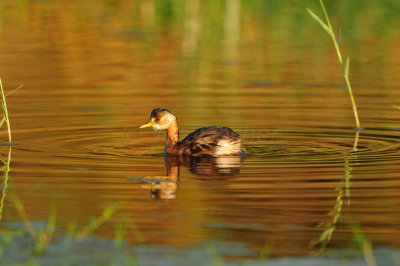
{"x": 44, "y": 237}
{"x": 135, "y": 230}
{"x": 363, "y": 242}
{"x": 5, "y": 110}
{"x": 19, "y": 206}
{"x": 345, "y": 65}
{"x": 6, "y": 170}
{"x": 107, "y": 213}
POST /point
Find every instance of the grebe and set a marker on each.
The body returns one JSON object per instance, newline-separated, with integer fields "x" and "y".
{"x": 211, "y": 140}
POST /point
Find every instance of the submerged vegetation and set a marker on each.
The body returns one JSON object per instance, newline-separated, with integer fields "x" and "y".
{"x": 345, "y": 66}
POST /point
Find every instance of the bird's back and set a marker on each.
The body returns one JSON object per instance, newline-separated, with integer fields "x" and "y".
{"x": 214, "y": 141}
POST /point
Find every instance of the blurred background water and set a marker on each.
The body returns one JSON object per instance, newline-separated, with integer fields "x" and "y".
{"x": 93, "y": 70}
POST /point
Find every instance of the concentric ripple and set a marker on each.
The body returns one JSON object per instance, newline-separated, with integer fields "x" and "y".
{"x": 116, "y": 142}
{"x": 327, "y": 143}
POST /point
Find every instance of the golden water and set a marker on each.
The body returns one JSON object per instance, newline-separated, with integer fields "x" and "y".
{"x": 93, "y": 72}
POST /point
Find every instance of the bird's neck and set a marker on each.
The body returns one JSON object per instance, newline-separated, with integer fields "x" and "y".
{"x": 172, "y": 143}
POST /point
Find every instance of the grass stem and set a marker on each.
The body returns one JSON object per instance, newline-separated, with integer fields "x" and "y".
{"x": 5, "y": 111}
{"x": 363, "y": 242}
{"x": 327, "y": 26}
{"x": 107, "y": 213}
{"x": 6, "y": 170}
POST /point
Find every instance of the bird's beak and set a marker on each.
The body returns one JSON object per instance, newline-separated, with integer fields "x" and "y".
{"x": 150, "y": 124}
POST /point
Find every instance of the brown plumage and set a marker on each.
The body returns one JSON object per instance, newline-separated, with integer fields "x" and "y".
{"x": 211, "y": 141}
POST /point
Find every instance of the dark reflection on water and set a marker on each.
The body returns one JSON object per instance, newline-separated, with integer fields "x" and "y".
{"x": 207, "y": 167}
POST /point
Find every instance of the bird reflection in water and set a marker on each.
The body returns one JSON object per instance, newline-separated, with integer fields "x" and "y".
{"x": 207, "y": 168}
{"x": 212, "y": 152}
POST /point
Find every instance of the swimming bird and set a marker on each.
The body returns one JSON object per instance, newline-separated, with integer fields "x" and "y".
{"x": 208, "y": 141}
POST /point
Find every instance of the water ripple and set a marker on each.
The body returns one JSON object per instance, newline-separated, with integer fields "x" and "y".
{"x": 116, "y": 142}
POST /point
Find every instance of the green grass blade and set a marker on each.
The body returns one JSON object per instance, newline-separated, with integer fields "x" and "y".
{"x": 109, "y": 210}
{"x": 17, "y": 89}
{"x": 339, "y": 37}
{"x": 5, "y": 110}
{"x": 347, "y": 66}
{"x": 5, "y": 113}
{"x": 4, "y": 105}
{"x": 323, "y": 24}
{"x": 135, "y": 230}
{"x": 326, "y": 14}
{"x": 5, "y": 170}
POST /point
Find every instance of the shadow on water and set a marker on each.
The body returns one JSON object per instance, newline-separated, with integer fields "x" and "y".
{"x": 205, "y": 167}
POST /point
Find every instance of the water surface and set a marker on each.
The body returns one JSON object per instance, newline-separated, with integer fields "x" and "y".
{"x": 93, "y": 72}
